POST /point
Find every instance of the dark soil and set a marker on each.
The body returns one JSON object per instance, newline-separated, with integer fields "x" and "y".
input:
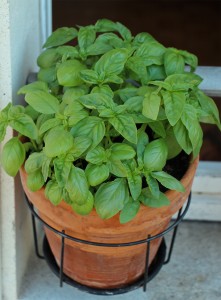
{"x": 178, "y": 166}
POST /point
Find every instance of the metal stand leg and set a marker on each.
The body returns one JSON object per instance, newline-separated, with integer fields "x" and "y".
{"x": 173, "y": 240}
{"x": 62, "y": 259}
{"x": 35, "y": 237}
{"x": 146, "y": 265}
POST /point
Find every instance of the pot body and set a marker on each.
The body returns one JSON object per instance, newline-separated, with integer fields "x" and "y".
{"x": 106, "y": 267}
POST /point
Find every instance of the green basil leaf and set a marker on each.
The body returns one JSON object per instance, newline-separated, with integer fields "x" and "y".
{"x": 58, "y": 141}
{"x": 134, "y": 179}
{"x": 96, "y": 174}
{"x": 125, "y": 125}
{"x": 111, "y": 39}
{"x": 81, "y": 144}
{"x": 53, "y": 192}
{"x": 31, "y": 112}
{"x": 121, "y": 151}
{"x": 151, "y": 105}
{"x": 190, "y": 121}
{"x": 174, "y": 104}
{"x": 13, "y": 156}
{"x": 113, "y": 79}
{"x": 86, "y": 37}
{"x": 48, "y": 124}
{"x": 89, "y": 76}
{"x": 182, "y": 137}
{"x": 103, "y": 89}
{"x": 139, "y": 118}
{"x": 48, "y": 58}
{"x": 152, "y": 52}
{"x": 162, "y": 84}
{"x": 135, "y": 185}
{"x": 67, "y": 52}
{"x": 112, "y": 62}
{"x": 85, "y": 208}
{"x": 48, "y": 75}
{"x": 106, "y": 113}
{"x": 34, "y": 162}
{"x": 77, "y": 186}
{"x": 142, "y": 141}
{"x": 42, "y": 102}
{"x": 4, "y": 113}
{"x": 111, "y": 197}
{"x": 173, "y": 63}
{"x": 72, "y": 94}
{"x": 183, "y": 82}
{"x": 34, "y": 86}
{"x": 24, "y": 124}
{"x": 127, "y": 93}
{"x": 3, "y": 126}
{"x": 137, "y": 65}
{"x": 46, "y": 168}
{"x": 62, "y": 169}
{"x": 124, "y": 31}
{"x": 15, "y": 111}
{"x": 92, "y": 127}
{"x": 73, "y": 107}
{"x": 208, "y": 106}
{"x": 98, "y": 48}
{"x": 142, "y": 38}
{"x": 117, "y": 168}
{"x": 168, "y": 181}
{"x": 97, "y": 155}
{"x": 155, "y": 155}
{"x": 153, "y": 185}
{"x": 190, "y": 59}
{"x": 35, "y": 181}
{"x": 43, "y": 118}
{"x": 173, "y": 147}
{"x": 60, "y": 36}
{"x": 95, "y": 101}
{"x": 156, "y": 72}
{"x": 158, "y": 128}
{"x": 129, "y": 211}
{"x": 68, "y": 73}
{"x": 149, "y": 200}
{"x": 104, "y": 25}
{"x": 66, "y": 197}
{"x": 76, "y": 117}
{"x": 134, "y": 104}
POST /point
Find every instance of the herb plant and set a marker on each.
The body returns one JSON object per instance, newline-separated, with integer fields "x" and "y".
{"x": 107, "y": 112}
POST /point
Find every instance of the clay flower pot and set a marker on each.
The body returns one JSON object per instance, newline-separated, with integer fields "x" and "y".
{"x": 104, "y": 267}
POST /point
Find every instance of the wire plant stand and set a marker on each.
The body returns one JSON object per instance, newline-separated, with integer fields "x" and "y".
{"x": 163, "y": 255}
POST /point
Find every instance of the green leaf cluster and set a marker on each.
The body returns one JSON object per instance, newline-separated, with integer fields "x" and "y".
{"x": 106, "y": 113}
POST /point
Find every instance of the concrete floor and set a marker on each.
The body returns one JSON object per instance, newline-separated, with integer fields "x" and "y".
{"x": 194, "y": 272}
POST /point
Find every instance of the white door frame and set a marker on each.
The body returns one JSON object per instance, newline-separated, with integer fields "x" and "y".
{"x": 23, "y": 27}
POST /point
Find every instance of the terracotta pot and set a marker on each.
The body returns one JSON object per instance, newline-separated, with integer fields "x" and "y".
{"x": 104, "y": 267}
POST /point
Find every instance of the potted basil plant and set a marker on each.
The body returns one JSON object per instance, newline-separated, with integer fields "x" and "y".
{"x": 108, "y": 143}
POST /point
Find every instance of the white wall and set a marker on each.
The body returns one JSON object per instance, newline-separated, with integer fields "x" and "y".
{"x": 19, "y": 48}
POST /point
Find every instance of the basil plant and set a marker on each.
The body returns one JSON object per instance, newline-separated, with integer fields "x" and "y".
{"x": 106, "y": 113}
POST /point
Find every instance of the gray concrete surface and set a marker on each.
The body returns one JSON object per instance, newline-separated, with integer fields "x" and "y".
{"x": 194, "y": 272}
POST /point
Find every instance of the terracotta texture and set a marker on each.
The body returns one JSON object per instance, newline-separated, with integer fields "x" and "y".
{"x": 105, "y": 267}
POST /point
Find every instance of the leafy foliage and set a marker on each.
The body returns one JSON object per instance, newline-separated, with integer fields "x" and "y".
{"x": 104, "y": 117}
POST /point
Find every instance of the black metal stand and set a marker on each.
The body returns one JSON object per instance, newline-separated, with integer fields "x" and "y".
{"x": 149, "y": 273}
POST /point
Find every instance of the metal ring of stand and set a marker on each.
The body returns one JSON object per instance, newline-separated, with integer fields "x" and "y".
{"x": 150, "y": 271}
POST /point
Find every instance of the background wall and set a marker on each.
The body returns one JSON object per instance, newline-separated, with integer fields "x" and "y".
{"x": 193, "y": 25}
